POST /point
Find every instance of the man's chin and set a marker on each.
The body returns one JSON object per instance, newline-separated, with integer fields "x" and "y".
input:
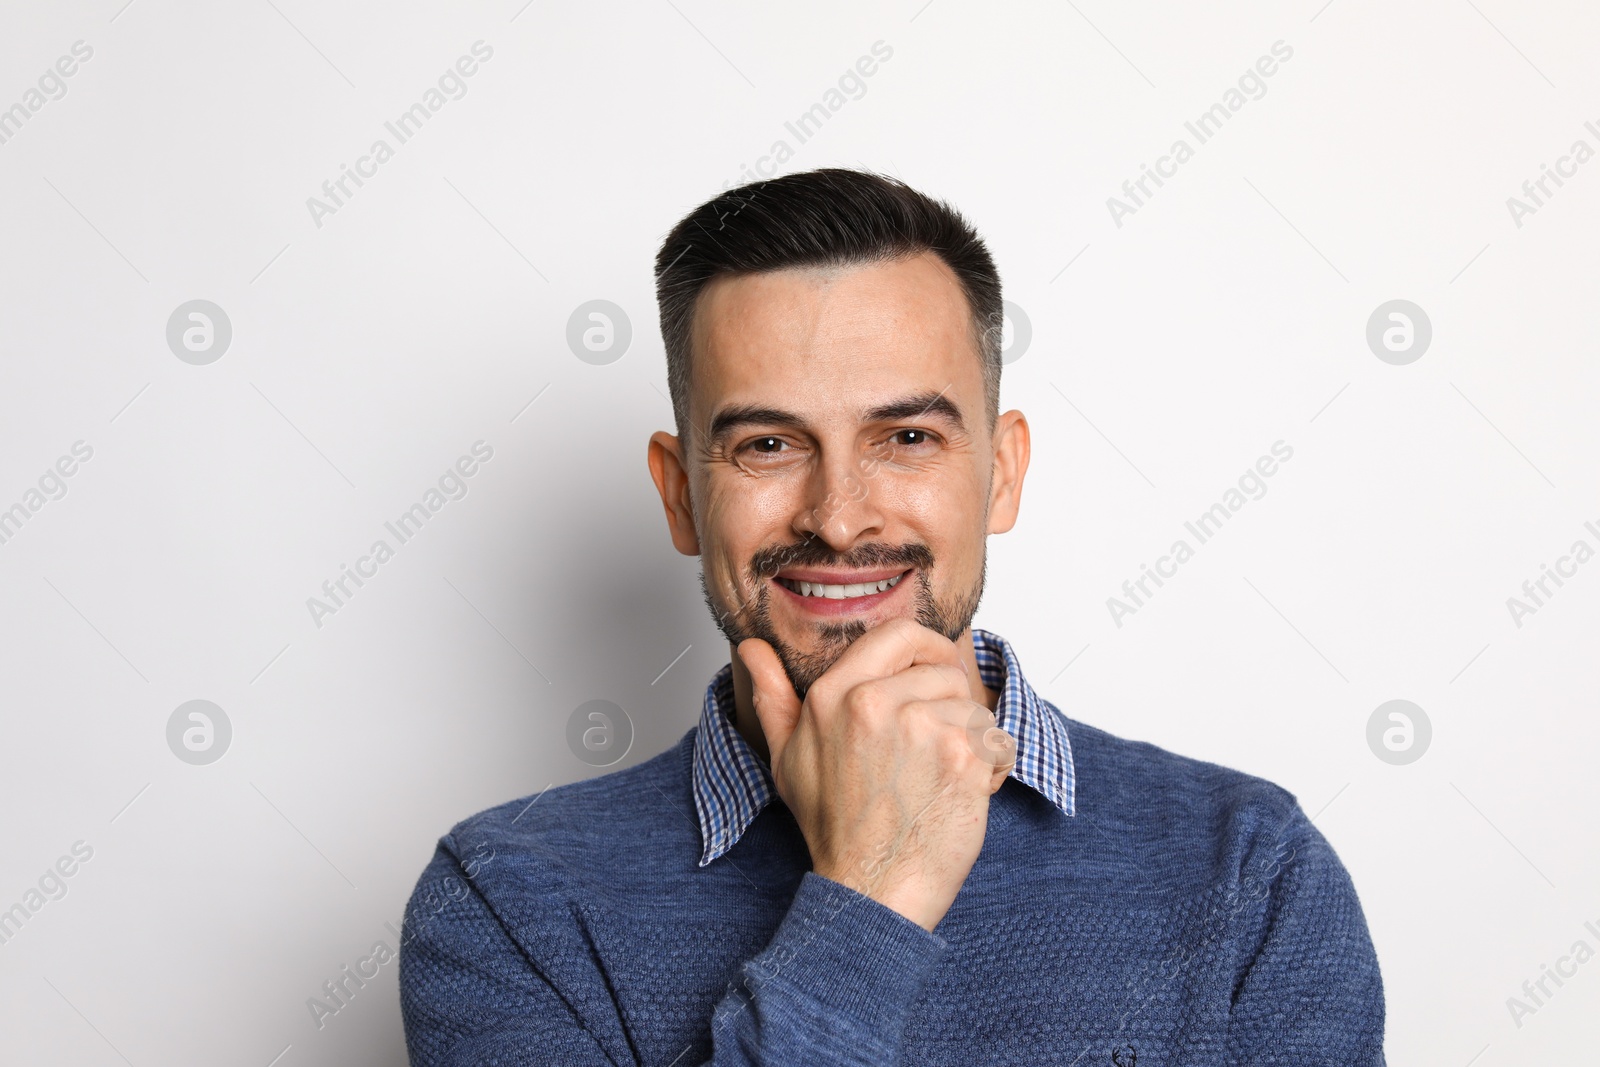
{"x": 808, "y": 656}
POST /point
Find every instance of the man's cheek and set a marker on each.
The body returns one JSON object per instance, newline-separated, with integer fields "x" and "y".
{"x": 720, "y": 522}
{"x": 920, "y": 501}
{"x": 726, "y": 530}
{"x": 749, "y": 517}
{"x": 733, "y": 568}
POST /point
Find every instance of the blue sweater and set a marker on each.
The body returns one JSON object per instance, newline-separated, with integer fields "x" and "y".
{"x": 1187, "y": 914}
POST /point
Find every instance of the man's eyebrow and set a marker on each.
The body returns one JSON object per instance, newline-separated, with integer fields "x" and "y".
{"x": 919, "y": 406}
{"x": 745, "y": 414}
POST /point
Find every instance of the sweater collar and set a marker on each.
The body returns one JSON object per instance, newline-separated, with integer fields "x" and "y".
{"x": 732, "y": 785}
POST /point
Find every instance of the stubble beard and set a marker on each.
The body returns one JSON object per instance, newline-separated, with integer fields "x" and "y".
{"x": 951, "y": 617}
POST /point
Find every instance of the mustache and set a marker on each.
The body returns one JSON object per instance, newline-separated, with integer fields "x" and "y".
{"x": 813, "y": 552}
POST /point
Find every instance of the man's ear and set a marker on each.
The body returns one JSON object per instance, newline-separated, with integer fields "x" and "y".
{"x": 1011, "y": 450}
{"x": 672, "y": 482}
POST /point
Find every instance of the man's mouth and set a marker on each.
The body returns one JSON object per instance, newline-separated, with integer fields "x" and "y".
{"x": 840, "y": 592}
{"x": 815, "y": 586}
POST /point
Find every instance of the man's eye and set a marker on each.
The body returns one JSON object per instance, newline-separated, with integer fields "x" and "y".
{"x": 912, "y": 438}
{"x": 766, "y": 445}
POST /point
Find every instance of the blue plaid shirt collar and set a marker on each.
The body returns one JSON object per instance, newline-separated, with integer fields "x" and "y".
{"x": 732, "y": 785}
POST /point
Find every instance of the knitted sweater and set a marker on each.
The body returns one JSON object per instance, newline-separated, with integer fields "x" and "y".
{"x": 1187, "y": 914}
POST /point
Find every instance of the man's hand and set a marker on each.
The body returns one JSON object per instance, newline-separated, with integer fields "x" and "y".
{"x": 888, "y": 765}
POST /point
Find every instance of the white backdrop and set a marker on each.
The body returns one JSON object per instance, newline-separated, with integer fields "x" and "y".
{"x": 352, "y": 350}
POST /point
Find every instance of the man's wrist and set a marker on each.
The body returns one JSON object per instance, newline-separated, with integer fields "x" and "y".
{"x": 901, "y": 898}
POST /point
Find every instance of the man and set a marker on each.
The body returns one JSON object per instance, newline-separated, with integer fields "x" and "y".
{"x": 879, "y": 845}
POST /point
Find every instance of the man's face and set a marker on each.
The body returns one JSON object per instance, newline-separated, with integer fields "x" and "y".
{"x": 838, "y": 446}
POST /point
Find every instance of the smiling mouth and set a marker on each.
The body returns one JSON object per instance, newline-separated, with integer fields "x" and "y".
{"x": 841, "y": 592}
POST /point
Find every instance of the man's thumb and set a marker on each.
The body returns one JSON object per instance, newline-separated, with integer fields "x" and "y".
{"x": 777, "y": 706}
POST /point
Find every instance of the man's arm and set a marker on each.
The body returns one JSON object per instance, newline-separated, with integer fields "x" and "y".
{"x": 834, "y": 986}
{"x": 1308, "y": 991}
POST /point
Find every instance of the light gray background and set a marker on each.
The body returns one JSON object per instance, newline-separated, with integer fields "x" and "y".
{"x": 430, "y": 312}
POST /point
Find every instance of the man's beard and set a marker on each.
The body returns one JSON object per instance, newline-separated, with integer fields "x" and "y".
{"x": 950, "y": 618}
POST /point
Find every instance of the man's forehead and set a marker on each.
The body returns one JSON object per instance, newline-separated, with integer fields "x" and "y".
{"x": 859, "y": 336}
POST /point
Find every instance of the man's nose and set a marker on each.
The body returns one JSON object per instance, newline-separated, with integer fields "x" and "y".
{"x": 840, "y": 505}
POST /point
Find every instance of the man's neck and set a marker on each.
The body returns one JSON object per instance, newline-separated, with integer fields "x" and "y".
{"x": 749, "y": 726}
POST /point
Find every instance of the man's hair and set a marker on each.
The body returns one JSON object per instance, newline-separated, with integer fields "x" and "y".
{"x": 821, "y": 218}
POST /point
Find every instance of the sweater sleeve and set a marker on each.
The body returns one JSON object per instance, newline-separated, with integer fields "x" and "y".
{"x": 1307, "y": 991}
{"x": 833, "y": 986}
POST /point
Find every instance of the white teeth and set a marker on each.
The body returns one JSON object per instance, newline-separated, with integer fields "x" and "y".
{"x": 841, "y": 592}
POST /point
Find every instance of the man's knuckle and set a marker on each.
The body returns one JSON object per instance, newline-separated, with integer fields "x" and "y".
{"x": 904, "y": 626}
{"x": 953, "y": 748}
{"x": 866, "y": 701}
